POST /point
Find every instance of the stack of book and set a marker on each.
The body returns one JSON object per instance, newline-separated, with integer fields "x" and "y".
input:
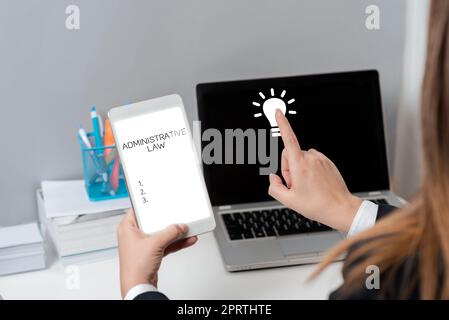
{"x": 21, "y": 249}
{"x": 79, "y": 229}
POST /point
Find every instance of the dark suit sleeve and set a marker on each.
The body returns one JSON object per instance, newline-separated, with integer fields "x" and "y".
{"x": 151, "y": 295}
{"x": 383, "y": 211}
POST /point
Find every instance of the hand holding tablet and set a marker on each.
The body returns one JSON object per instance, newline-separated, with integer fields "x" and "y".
{"x": 161, "y": 168}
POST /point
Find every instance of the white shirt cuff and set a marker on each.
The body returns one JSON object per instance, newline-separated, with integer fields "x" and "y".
{"x": 139, "y": 289}
{"x": 365, "y": 217}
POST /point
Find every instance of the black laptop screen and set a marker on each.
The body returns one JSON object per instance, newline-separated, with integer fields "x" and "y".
{"x": 337, "y": 114}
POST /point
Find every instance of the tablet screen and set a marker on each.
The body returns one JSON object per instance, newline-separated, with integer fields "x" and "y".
{"x": 163, "y": 178}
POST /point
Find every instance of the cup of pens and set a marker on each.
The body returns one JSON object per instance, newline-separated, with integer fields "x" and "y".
{"x": 103, "y": 174}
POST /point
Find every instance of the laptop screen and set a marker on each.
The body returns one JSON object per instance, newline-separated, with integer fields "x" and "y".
{"x": 338, "y": 114}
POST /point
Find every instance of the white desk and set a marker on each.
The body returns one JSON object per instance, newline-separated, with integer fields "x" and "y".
{"x": 195, "y": 273}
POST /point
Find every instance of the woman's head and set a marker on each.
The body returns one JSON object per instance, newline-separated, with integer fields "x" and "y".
{"x": 422, "y": 229}
{"x": 435, "y": 124}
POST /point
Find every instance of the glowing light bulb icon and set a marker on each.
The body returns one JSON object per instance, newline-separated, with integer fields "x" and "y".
{"x": 269, "y": 107}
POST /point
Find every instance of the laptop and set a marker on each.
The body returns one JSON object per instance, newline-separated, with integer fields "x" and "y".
{"x": 339, "y": 114}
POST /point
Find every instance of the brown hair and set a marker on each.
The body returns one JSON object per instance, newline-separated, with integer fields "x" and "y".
{"x": 420, "y": 230}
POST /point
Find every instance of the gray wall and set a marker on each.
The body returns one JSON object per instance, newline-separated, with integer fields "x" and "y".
{"x": 138, "y": 49}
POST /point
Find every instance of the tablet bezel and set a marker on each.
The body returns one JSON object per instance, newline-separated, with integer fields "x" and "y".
{"x": 146, "y": 107}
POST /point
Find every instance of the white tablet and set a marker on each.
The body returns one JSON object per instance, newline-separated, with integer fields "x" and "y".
{"x": 161, "y": 167}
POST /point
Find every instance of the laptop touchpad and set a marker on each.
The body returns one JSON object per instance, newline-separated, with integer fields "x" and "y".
{"x": 309, "y": 243}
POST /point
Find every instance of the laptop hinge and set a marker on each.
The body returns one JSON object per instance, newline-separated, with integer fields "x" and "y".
{"x": 228, "y": 207}
{"x": 374, "y": 193}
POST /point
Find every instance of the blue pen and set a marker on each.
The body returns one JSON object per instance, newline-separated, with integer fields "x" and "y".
{"x": 97, "y": 127}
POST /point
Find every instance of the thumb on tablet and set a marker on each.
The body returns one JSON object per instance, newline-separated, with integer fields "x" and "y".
{"x": 130, "y": 218}
{"x": 171, "y": 234}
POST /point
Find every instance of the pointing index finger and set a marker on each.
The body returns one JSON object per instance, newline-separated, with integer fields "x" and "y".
{"x": 288, "y": 136}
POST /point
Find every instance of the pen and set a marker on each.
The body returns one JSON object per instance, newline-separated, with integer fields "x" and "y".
{"x": 111, "y": 156}
{"x": 100, "y": 121}
{"x": 83, "y": 136}
{"x": 108, "y": 140}
{"x": 96, "y": 127}
{"x": 114, "y": 177}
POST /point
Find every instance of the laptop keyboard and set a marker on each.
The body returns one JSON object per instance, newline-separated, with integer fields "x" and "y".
{"x": 272, "y": 223}
{"x": 379, "y": 201}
